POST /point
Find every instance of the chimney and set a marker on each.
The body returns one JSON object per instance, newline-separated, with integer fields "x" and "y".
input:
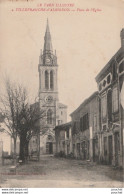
{"x": 122, "y": 38}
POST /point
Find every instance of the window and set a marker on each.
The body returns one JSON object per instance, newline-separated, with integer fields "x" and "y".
{"x": 108, "y": 79}
{"x": 104, "y": 127}
{"x": 59, "y": 122}
{"x": 81, "y": 123}
{"x": 63, "y": 146}
{"x": 115, "y": 99}
{"x": 100, "y": 87}
{"x": 67, "y": 133}
{"x": 51, "y": 80}
{"x": 84, "y": 122}
{"x": 95, "y": 122}
{"x": 114, "y": 71}
{"x": 62, "y": 134}
{"x": 121, "y": 67}
{"x": 109, "y": 105}
{"x": 46, "y": 80}
{"x": 49, "y": 116}
{"x": 103, "y": 106}
{"x": 104, "y": 83}
{"x": 74, "y": 128}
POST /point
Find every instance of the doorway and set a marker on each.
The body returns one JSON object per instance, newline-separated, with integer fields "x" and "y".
{"x": 49, "y": 148}
{"x": 84, "y": 150}
{"x": 117, "y": 147}
{"x": 105, "y": 150}
{"x": 95, "y": 150}
{"x": 110, "y": 149}
{"x": 78, "y": 150}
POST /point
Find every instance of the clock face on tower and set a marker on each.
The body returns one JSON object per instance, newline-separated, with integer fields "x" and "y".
{"x": 49, "y": 99}
{"x": 48, "y": 60}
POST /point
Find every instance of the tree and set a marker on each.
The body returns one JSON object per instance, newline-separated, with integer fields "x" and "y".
{"x": 30, "y": 117}
{"x": 11, "y": 105}
{"x": 1, "y": 121}
{"x": 22, "y": 119}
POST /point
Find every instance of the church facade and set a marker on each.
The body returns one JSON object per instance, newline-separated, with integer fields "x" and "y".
{"x": 55, "y": 112}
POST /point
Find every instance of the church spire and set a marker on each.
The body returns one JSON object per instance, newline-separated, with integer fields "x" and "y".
{"x": 47, "y": 40}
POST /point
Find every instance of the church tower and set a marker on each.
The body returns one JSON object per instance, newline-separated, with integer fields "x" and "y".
{"x": 55, "y": 112}
{"x": 48, "y": 66}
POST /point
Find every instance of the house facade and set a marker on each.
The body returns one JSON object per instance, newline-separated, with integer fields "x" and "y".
{"x": 110, "y": 83}
{"x": 63, "y": 136}
{"x": 85, "y": 129}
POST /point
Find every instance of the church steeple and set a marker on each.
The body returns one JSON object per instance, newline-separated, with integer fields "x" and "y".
{"x": 47, "y": 40}
{"x": 48, "y": 66}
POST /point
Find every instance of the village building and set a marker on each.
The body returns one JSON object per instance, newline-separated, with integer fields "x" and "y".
{"x": 63, "y": 136}
{"x": 85, "y": 129}
{"x": 56, "y": 112}
{"x": 110, "y": 83}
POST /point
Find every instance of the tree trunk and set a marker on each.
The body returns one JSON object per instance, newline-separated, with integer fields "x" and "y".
{"x": 26, "y": 150}
{"x": 23, "y": 148}
{"x": 14, "y": 156}
{"x": 21, "y": 154}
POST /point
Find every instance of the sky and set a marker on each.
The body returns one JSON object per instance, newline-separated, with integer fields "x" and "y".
{"x": 84, "y": 42}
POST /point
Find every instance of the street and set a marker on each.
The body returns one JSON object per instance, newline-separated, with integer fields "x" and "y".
{"x": 52, "y": 172}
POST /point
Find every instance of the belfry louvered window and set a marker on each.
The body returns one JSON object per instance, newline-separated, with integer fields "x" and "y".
{"x": 46, "y": 80}
{"x": 51, "y": 80}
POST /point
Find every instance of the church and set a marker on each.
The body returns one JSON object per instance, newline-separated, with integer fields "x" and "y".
{"x": 55, "y": 112}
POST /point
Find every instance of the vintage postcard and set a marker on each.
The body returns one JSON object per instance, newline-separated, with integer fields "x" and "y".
{"x": 61, "y": 94}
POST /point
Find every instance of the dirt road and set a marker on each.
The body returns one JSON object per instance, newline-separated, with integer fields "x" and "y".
{"x": 58, "y": 172}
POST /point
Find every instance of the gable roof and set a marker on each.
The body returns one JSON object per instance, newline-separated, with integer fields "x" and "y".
{"x": 85, "y": 102}
{"x": 113, "y": 59}
{"x": 62, "y": 105}
{"x": 63, "y": 126}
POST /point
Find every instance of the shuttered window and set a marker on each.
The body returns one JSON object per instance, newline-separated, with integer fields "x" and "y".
{"x": 115, "y": 99}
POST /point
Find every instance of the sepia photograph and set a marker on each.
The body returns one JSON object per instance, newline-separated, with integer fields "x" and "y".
{"x": 61, "y": 94}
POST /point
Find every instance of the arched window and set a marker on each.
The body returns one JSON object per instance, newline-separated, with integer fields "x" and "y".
{"x": 49, "y": 116}
{"x": 46, "y": 80}
{"x": 121, "y": 67}
{"x": 51, "y": 80}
